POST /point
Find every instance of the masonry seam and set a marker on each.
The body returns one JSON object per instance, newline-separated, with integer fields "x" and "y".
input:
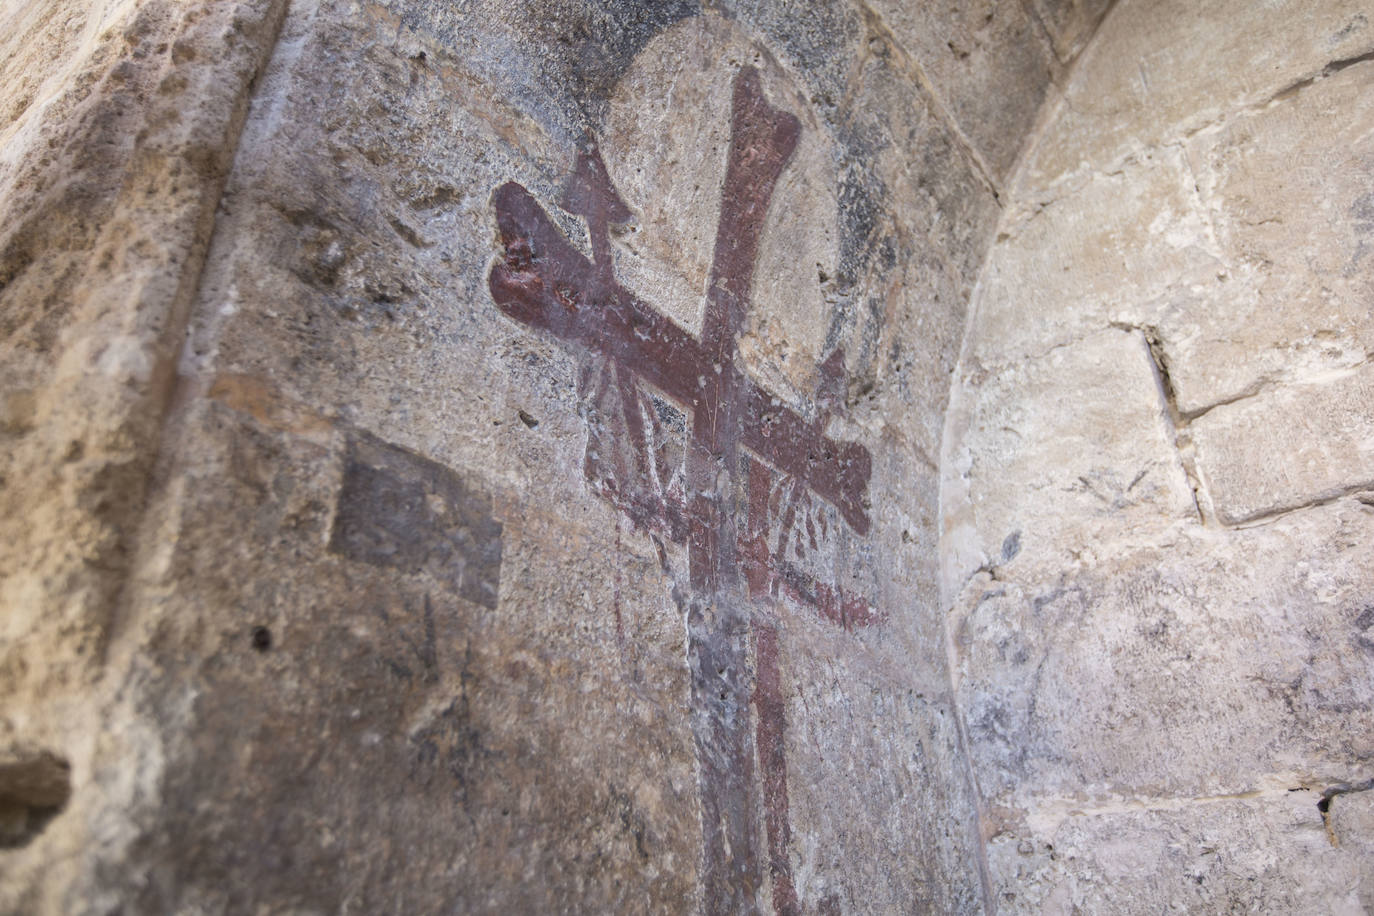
{"x": 937, "y": 104}
{"x": 1049, "y": 109}
{"x": 182, "y": 313}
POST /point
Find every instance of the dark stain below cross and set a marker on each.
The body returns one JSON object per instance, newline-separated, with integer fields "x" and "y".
{"x": 545, "y": 282}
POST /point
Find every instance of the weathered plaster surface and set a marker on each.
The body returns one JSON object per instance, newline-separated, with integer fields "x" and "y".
{"x": 325, "y": 584}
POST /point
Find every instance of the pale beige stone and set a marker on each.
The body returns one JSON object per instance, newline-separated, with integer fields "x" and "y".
{"x": 1266, "y": 854}
{"x": 1350, "y": 824}
{"x": 1115, "y": 249}
{"x": 1295, "y": 224}
{"x": 1039, "y": 478}
{"x": 1150, "y": 672}
{"x": 1289, "y": 447}
{"x": 1141, "y": 685}
{"x": 1158, "y": 71}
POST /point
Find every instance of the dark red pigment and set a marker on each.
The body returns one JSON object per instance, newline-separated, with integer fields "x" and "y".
{"x": 545, "y": 282}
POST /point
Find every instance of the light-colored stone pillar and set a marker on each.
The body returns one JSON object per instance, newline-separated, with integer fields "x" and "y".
{"x": 1157, "y": 471}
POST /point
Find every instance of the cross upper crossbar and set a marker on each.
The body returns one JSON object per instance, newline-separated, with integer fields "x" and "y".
{"x": 545, "y": 282}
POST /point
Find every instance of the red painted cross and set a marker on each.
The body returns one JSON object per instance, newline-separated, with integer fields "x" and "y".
{"x": 544, "y": 281}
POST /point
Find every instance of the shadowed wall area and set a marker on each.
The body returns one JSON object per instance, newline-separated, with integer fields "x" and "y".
{"x": 614, "y": 457}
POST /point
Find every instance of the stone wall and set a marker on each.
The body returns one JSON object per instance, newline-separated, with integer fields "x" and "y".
{"x": 503, "y": 458}
{"x": 482, "y": 457}
{"x": 1157, "y": 475}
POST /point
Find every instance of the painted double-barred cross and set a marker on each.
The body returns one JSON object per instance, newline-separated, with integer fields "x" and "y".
{"x": 737, "y": 430}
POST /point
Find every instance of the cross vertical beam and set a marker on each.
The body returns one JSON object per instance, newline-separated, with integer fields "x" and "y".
{"x": 762, "y": 140}
{"x": 543, "y": 281}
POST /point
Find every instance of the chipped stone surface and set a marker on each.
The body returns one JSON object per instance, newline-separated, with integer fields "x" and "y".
{"x": 1199, "y": 64}
{"x": 382, "y": 594}
{"x": 112, "y": 166}
{"x": 1143, "y": 678}
{"x": 1350, "y": 824}
{"x": 1291, "y": 447}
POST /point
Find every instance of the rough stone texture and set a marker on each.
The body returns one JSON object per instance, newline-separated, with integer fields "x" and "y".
{"x": 337, "y": 579}
{"x": 1264, "y": 184}
{"x": 1155, "y": 476}
{"x": 1131, "y": 858}
{"x": 1350, "y": 823}
{"x": 1116, "y": 251}
{"x": 501, "y": 457}
{"x": 1071, "y": 23}
{"x": 1165, "y": 70}
{"x": 113, "y": 164}
{"x": 1109, "y": 464}
{"x": 1198, "y": 689}
{"x": 1291, "y": 447}
{"x": 952, "y": 45}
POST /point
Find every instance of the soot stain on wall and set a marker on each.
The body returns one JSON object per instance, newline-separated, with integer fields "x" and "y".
{"x": 398, "y": 509}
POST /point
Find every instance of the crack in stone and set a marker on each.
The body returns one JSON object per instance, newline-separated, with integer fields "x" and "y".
{"x": 1179, "y": 434}
{"x": 1184, "y": 131}
{"x": 1360, "y": 492}
{"x": 1331, "y": 68}
{"x": 1324, "y": 804}
{"x": 1049, "y": 813}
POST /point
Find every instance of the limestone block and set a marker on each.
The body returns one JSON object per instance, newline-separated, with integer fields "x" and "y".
{"x": 1071, "y": 23}
{"x": 1268, "y": 853}
{"x": 1350, "y": 822}
{"x": 1053, "y": 480}
{"x": 1291, "y": 194}
{"x": 1116, "y": 248}
{"x": 1150, "y": 673}
{"x": 951, "y": 44}
{"x": 1199, "y": 63}
{"x": 1288, "y": 447}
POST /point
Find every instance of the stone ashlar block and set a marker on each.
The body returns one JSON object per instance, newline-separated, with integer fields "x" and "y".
{"x": 1116, "y": 249}
{"x": 1156, "y": 673}
{"x": 1287, "y": 448}
{"x": 1267, "y": 853}
{"x": 1038, "y": 476}
{"x": 1291, "y": 195}
{"x": 1129, "y": 95}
